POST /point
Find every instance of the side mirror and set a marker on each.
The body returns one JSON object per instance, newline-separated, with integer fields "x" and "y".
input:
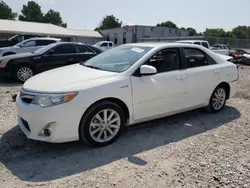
{"x": 147, "y": 70}
{"x": 50, "y": 53}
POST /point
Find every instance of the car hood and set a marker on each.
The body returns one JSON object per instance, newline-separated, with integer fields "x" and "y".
{"x": 8, "y": 48}
{"x": 15, "y": 56}
{"x": 66, "y": 79}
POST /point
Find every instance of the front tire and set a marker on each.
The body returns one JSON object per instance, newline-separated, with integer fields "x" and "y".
{"x": 218, "y": 100}
{"x": 23, "y": 73}
{"x": 102, "y": 124}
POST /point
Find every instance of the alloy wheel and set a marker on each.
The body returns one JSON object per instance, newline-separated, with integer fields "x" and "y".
{"x": 24, "y": 74}
{"x": 105, "y": 125}
{"x": 219, "y": 98}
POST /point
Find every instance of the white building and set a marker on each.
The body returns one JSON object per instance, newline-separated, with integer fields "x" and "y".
{"x": 9, "y": 28}
{"x": 133, "y": 34}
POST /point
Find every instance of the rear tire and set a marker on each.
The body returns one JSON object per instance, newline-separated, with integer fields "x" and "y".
{"x": 217, "y": 100}
{"x": 102, "y": 124}
{"x": 23, "y": 73}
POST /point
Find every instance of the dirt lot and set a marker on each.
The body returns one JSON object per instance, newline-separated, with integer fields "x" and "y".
{"x": 194, "y": 149}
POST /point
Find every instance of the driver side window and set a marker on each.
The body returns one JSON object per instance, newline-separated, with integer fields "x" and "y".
{"x": 165, "y": 60}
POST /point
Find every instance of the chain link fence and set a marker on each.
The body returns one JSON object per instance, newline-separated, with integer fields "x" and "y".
{"x": 232, "y": 42}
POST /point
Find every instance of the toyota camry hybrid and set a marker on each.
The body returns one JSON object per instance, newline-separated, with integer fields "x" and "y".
{"x": 128, "y": 84}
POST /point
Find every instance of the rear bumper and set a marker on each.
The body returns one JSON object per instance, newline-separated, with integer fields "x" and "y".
{"x": 233, "y": 88}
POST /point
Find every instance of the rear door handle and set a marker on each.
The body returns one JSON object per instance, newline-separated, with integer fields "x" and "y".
{"x": 217, "y": 71}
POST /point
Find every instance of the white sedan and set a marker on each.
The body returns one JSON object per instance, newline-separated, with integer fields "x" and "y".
{"x": 128, "y": 84}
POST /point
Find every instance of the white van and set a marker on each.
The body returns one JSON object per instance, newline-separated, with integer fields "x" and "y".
{"x": 104, "y": 45}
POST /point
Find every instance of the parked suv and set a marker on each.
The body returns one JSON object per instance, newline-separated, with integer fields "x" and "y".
{"x": 15, "y": 40}
{"x": 29, "y": 45}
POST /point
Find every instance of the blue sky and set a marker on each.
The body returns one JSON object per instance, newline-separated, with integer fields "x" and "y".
{"x": 199, "y": 14}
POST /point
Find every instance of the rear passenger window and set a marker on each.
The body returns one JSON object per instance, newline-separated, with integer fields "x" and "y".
{"x": 198, "y": 43}
{"x": 196, "y": 58}
{"x": 110, "y": 44}
{"x": 205, "y": 44}
{"x": 82, "y": 49}
{"x": 44, "y": 42}
{"x": 64, "y": 49}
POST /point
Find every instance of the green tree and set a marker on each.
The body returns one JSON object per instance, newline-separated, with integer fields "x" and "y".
{"x": 31, "y": 12}
{"x": 218, "y": 32}
{"x": 109, "y": 22}
{"x": 6, "y": 12}
{"x": 54, "y": 17}
{"x": 229, "y": 34}
{"x": 192, "y": 31}
{"x": 241, "y": 32}
{"x": 168, "y": 24}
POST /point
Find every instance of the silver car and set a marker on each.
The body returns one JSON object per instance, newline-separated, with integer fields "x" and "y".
{"x": 29, "y": 45}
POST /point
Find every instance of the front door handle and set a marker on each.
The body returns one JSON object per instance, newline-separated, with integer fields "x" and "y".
{"x": 217, "y": 71}
{"x": 181, "y": 77}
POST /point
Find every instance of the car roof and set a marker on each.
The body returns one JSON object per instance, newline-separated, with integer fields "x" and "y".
{"x": 44, "y": 38}
{"x": 191, "y": 41}
{"x": 162, "y": 44}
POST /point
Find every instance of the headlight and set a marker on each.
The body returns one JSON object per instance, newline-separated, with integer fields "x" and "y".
{"x": 3, "y": 63}
{"x": 53, "y": 99}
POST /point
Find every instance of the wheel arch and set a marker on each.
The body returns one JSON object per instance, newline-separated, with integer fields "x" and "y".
{"x": 115, "y": 100}
{"x": 8, "y": 53}
{"x": 227, "y": 87}
{"x": 24, "y": 64}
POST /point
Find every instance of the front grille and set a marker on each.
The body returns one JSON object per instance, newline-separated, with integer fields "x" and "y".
{"x": 26, "y": 124}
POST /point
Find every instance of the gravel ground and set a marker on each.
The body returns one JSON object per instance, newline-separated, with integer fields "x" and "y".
{"x": 193, "y": 149}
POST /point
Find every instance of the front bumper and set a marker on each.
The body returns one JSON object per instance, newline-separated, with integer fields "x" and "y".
{"x": 65, "y": 119}
{"x": 5, "y": 72}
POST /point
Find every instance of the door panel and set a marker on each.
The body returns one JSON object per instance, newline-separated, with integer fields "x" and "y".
{"x": 54, "y": 61}
{"x": 158, "y": 94}
{"x": 61, "y": 55}
{"x": 201, "y": 83}
{"x": 203, "y": 74}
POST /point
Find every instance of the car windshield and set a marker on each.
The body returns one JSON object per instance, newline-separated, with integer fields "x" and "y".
{"x": 13, "y": 37}
{"x": 117, "y": 59}
{"x": 21, "y": 43}
{"x": 45, "y": 48}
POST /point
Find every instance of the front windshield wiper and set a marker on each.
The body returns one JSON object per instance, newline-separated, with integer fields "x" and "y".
{"x": 92, "y": 67}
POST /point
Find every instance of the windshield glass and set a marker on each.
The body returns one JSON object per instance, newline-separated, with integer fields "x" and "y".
{"x": 117, "y": 59}
{"x": 13, "y": 37}
{"x": 45, "y": 48}
{"x": 21, "y": 43}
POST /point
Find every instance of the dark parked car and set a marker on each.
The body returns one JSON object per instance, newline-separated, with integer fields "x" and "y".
{"x": 238, "y": 54}
{"x": 14, "y": 40}
{"x": 23, "y": 66}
